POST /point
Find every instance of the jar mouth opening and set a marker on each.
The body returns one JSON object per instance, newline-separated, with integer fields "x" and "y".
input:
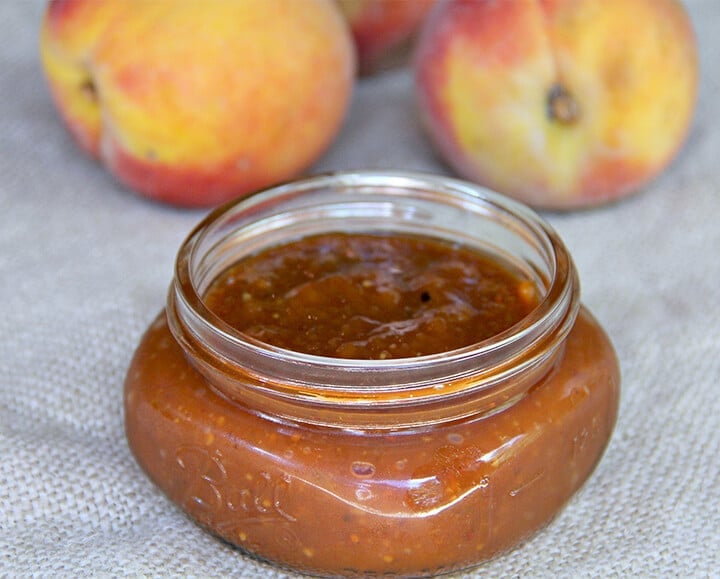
{"x": 396, "y": 202}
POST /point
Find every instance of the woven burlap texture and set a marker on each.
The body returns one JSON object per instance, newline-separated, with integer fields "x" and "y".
{"x": 85, "y": 265}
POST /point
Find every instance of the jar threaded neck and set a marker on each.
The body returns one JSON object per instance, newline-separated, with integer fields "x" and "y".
{"x": 382, "y": 393}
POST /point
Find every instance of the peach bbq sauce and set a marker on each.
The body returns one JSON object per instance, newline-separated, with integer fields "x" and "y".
{"x": 370, "y": 296}
{"x": 371, "y": 401}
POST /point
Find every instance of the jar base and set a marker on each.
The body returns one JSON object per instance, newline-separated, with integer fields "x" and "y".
{"x": 332, "y": 502}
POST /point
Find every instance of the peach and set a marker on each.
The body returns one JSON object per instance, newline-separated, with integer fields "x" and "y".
{"x": 194, "y": 103}
{"x": 383, "y": 30}
{"x": 559, "y": 103}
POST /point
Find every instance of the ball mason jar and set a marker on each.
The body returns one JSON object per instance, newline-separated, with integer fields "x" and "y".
{"x": 344, "y": 467}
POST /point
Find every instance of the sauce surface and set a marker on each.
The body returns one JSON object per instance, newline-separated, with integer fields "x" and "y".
{"x": 367, "y": 296}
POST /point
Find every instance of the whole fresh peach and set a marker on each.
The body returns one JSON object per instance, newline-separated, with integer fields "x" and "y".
{"x": 194, "y": 103}
{"x": 559, "y": 103}
{"x": 383, "y": 30}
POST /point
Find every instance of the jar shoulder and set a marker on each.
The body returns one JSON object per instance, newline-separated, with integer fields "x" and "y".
{"x": 162, "y": 385}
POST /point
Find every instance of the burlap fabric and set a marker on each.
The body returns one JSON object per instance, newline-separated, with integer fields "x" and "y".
{"x": 85, "y": 264}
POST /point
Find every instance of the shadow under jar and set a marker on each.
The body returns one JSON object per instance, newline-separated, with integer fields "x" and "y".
{"x": 406, "y": 466}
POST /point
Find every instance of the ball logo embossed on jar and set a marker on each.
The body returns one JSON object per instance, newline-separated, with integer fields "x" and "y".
{"x": 211, "y": 491}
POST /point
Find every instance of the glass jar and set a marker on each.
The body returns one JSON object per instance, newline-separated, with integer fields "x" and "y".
{"x": 405, "y": 467}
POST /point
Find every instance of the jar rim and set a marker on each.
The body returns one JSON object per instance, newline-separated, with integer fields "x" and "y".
{"x": 192, "y": 321}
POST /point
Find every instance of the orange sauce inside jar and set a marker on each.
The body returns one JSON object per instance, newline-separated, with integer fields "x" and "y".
{"x": 374, "y": 401}
{"x": 370, "y": 296}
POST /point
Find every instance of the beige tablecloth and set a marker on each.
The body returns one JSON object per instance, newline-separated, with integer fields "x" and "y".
{"x": 84, "y": 267}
